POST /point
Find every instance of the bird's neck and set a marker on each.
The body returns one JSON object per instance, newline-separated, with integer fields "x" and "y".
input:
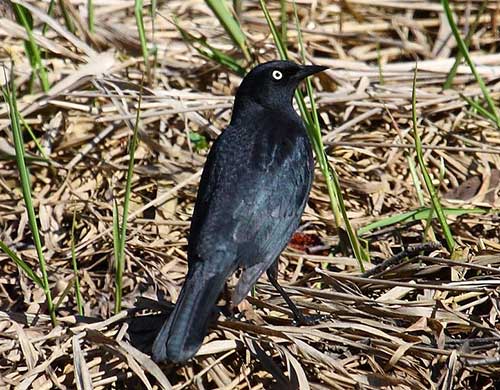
{"x": 246, "y": 111}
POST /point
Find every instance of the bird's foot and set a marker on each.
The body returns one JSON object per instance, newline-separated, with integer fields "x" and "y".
{"x": 314, "y": 319}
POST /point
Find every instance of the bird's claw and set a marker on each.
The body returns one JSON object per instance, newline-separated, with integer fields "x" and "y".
{"x": 309, "y": 320}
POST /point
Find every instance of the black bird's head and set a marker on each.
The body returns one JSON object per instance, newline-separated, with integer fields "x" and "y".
{"x": 273, "y": 83}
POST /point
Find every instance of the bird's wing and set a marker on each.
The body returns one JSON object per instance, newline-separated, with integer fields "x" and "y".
{"x": 269, "y": 212}
{"x": 250, "y": 201}
{"x": 213, "y": 203}
{"x": 265, "y": 221}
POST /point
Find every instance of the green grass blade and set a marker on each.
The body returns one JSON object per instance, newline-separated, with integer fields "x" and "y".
{"x": 237, "y": 6}
{"x": 50, "y": 12}
{"x": 332, "y": 180}
{"x": 453, "y": 71}
{"x": 10, "y": 98}
{"x": 154, "y": 49}
{"x": 24, "y": 18}
{"x": 230, "y": 24}
{"x": 274, "y": 32}
{"x": 428, "y": 230}
{"x": 120, "y": 259}
{"x": 90, "y": 15}
{"x": 422, "y": 213}
{"x": 413, "y": 174}
{"x": 436, "y": 204}
{"x": 76, "y": 279}
{"x": 65, "y": 293}
{"x": 139, "y": 20}
{"x": 463, "y": 49}
{"x": 21, "y": 264}
{"x": 67, "y": 18}
{"x": 209, "y": 52}
{"x": 415, "y": 179}
{"x": 283, "y": 20}
{"x": 314, "y": 131}
{"x": 35, "y": 139}
{"x": 480, "y": 109}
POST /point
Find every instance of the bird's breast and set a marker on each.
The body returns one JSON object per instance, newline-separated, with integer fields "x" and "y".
{"x": 273, "y": 150}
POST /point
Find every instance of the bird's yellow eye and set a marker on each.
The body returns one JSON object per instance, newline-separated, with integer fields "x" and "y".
{"x": 277, "y": 75}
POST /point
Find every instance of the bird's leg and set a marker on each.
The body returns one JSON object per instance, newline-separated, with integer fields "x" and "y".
{"x": 299, "y": 318}
{"x": 228, "y": 309}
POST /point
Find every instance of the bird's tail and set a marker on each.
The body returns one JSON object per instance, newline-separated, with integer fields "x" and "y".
{"x": 182, "y": 335}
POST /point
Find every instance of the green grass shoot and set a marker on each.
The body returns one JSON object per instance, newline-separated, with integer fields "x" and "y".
{"x": 154, "y": 49}
{"x": 120, "y": 230}
{"x": 458, "y": 59}
{"x": 312, "y": 124}
{"x": 10, "y": 98}
{"x": 90, "y": 15}
{"x": 436, "y": 204}
{"x": 480, "y": 109}
{"x": 70, "y": 25}
{"x": 50, "y": 12}
{"x": 21, "y": 264}
{"x": 39, "y": 147}
{"x": 230, "y": 24}
{"x": 76, "y": 278}
{"x": 465, "y": 53}
{"x": 332, "y": 180}
{"x": 422, "y": 213}
{"x": 25, "y": 19}
{"x": 283, "y": 20}
{"x": 206, "y": 50}
{"x": 428, "y": 230}
{"x": 139, "y": 20}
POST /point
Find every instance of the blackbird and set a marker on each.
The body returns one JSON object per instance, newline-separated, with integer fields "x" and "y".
{"x": 252, "y": 193}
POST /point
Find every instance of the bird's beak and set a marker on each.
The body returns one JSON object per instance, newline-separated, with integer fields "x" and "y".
{"x": 307, "y": 70}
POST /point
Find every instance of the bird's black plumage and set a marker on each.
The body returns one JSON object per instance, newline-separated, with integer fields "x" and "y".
{"x": 252, "y": 193}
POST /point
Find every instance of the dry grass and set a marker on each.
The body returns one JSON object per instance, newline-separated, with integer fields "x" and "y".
{"x": 425, "y": 322}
